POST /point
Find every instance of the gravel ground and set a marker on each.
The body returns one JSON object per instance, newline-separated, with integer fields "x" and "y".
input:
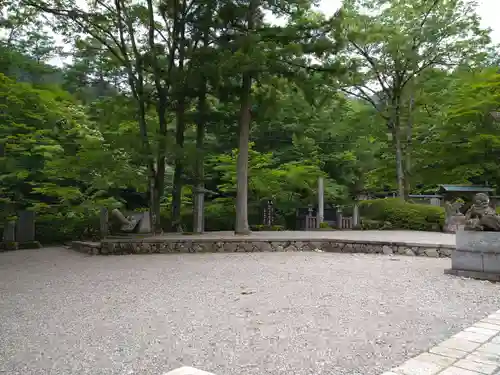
{"x": 233, "y": 314}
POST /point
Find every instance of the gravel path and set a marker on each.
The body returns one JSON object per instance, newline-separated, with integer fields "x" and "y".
{"x": 231, "y": 314}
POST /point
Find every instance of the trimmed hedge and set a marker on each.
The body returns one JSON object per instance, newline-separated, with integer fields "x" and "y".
{"x": 393, "y": 213}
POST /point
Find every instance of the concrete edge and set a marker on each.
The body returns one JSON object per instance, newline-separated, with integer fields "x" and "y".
{"x": 471, "y": 351}
{"x": 86, "y": 243}
{"x": 478, "y": 275}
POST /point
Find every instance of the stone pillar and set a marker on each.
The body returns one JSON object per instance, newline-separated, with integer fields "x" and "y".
{"x": 355, "y": 215}
{"x": 321, "y": 202}
{"x": 199, "y": 210}
{"x": 309, "y": 217}
{"x": 339, "y": 217}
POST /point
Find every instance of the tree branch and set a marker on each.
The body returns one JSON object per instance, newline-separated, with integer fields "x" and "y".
{"x": 373, "y": 65}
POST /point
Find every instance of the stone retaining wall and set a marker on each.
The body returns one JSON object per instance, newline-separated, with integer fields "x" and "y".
{"x": 111, "y": 247}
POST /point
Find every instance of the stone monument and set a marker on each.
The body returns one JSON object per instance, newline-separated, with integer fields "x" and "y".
{"x": 136, "y": 222}
{"x": 20, "y": 233}
{"x": 477, "y": 252}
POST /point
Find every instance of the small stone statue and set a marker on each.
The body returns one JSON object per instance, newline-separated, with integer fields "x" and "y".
{"x": 480, "y": 216}
{"x": 454, "y": 218}
{"x": 453, "y": 209}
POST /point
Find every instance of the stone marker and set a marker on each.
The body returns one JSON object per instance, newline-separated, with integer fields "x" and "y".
{"x": 25, "y": 228}
{"x": 339, "y": 218}
{"x": 9, "y": 232}
{"x": 355, "y": 215}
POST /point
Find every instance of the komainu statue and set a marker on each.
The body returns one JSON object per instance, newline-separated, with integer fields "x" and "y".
{"x": 480, "y": 216}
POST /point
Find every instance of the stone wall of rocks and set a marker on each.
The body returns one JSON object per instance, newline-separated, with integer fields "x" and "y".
{"x": 111, "y": 247}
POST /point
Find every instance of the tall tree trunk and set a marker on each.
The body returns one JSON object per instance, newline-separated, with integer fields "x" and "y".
{"x": 198, "y": 208}
{"x": 408, "y": 148}
{"x": 399, "y": 164}
{"x": 199, "y": 191}
{"x": 241, "y": 223}
{"x": 179, "y": 165}
{"x": 158, "y": 184}
{"x": 396, "y": 134}
{"x": 180, "y": 126}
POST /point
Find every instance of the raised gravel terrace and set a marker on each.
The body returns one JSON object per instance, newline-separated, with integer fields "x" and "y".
{"x": 300, "y": 313}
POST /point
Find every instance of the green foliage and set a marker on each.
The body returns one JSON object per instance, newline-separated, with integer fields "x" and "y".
{"x": 60, "y": 228}
{"x": 269, "y": 179}
{"x": 367, "y": 224}
{"x": 394, "y": 213}
{"x": 52, "y": 155}
{"x": 272, "y": 228}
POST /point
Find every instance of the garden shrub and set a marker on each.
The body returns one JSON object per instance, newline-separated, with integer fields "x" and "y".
{"x": 64, "y": 227}
{"x": 325, "y": 226}
{"x": 272, "y": 228}
{"x": 367, "y": 224}
{"x": 401, "y": 215}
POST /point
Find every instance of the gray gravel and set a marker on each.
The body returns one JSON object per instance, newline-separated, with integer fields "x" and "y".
{"x": 232, "y": 314}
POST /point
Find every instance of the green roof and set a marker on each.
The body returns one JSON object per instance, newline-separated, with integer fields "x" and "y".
{"x": 465, "y": 189}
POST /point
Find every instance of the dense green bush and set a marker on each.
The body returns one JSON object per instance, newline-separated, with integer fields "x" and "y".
{"x": 60, "y": 228}
{"x": 393, "y": 213}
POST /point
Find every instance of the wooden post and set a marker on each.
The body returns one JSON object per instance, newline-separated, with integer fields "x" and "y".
{"x": 321, "y": 202}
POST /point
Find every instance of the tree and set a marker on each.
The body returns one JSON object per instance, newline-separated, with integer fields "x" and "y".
{"x": 51, "y": 155}
{"x": 463, "y": 146}
{"x": 129, "y": 33}
{"x": 391, "y": 43}
{"x": 264, "y": 50}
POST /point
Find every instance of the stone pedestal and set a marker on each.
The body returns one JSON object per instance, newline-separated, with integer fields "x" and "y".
{"x": 477, "y": 255}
